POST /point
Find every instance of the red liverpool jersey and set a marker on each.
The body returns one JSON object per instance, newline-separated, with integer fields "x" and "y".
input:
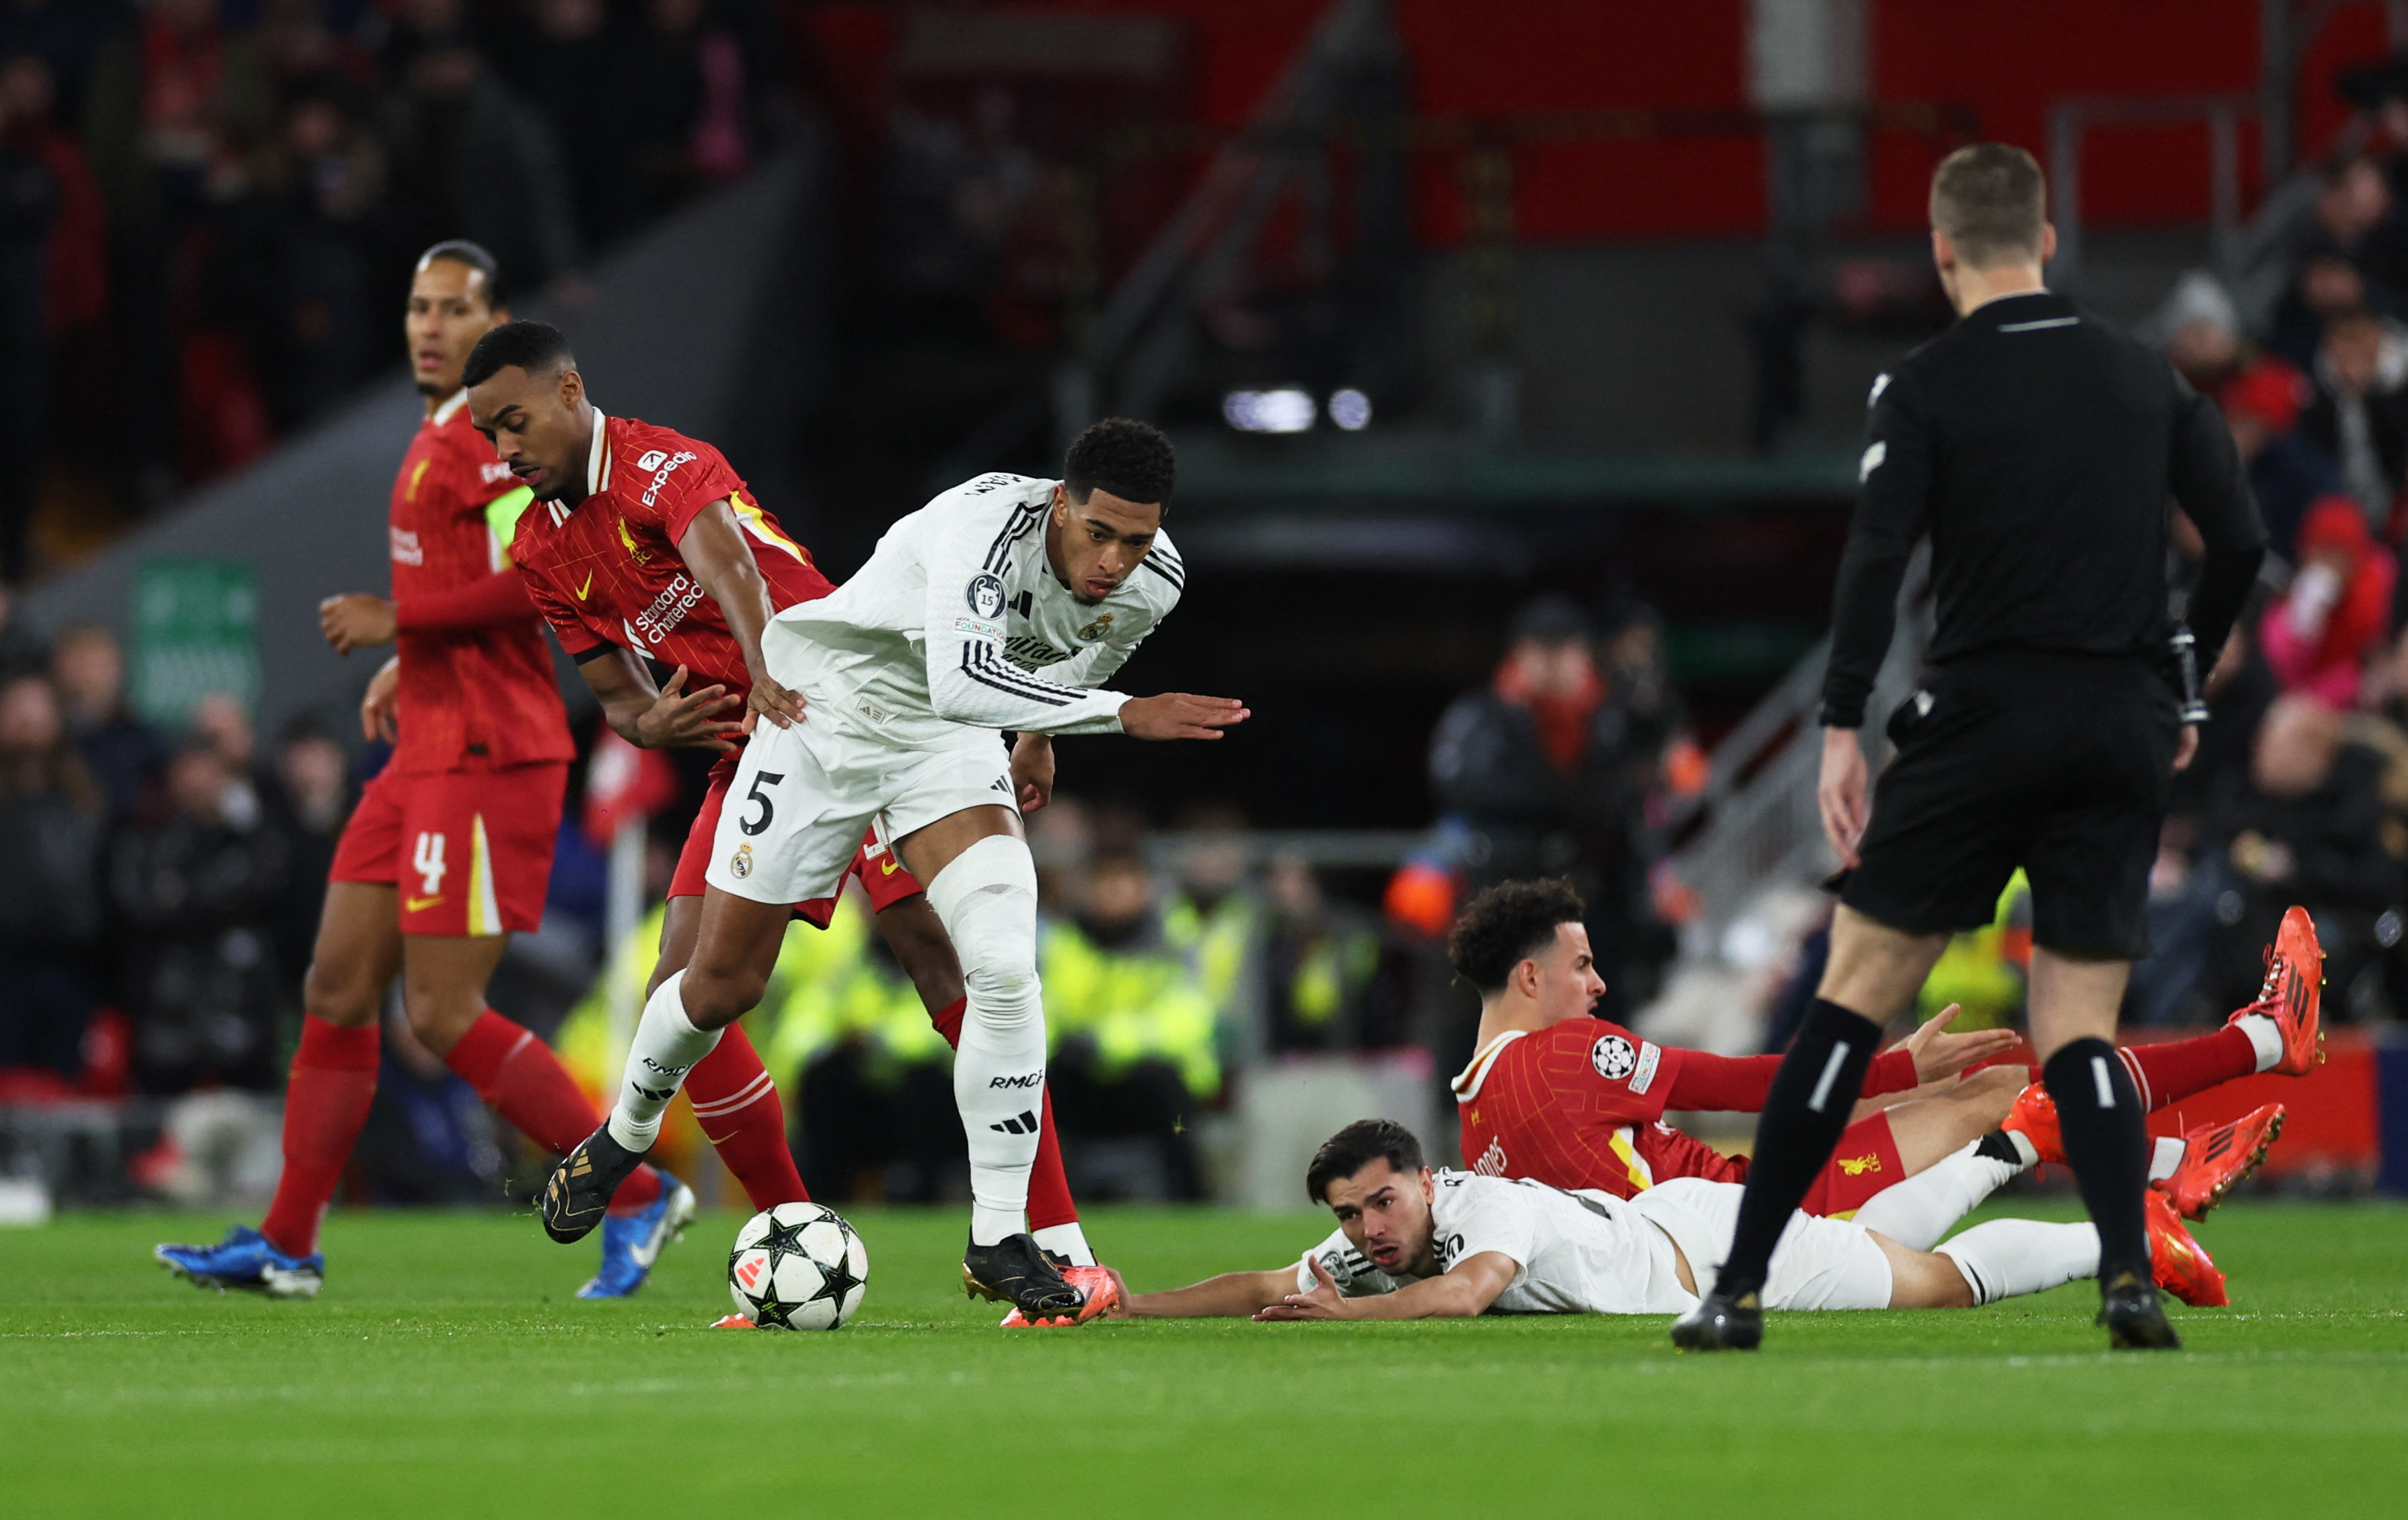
{"x": 1581, "y": 1104}
{"x": 470, "y": 699}
{"x": 608, "y": 571}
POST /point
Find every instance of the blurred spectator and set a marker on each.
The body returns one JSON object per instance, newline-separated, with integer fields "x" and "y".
{"x": 686, "y": 106}
{"x": 566, "y": 61}
{"x": 2337, "y": 610}
{"x": 2350, "y": 257}
{"x": 1213, "y": 917}
{"x": 471, "y": 159}
{"x": 876, "y": 1110}
{"x": 2305, "y": 825}
{"x": 50, "y": 822}
{"x": 2199, "y": 331}
{"x": 195, "y": 895}
{"x": 1330, "y": 981}
{"x": 314, "y": 791}
{"x": 1544, "y": 767}
{"x": 121, "y": 751}
{"x": 429, "y": 1138}
{"x": 224, "y": 726}
{"x": 22, "y": 650}
{"x": 1134, "y": 1061}
{"x": 2261, "y": 405}
{"x": 2359, "y": 415}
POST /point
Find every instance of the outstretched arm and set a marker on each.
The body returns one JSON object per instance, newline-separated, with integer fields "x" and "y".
{"x": 658, "y": 718}
{"x": 1230, "y": 1295}
{"x": 713, "y": 548}
{"x": 1462, "y": 1291}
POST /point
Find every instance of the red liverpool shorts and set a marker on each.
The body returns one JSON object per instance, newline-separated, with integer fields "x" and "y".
{"x": 882, "y": 875}
{"x": 468, "y": 851}
{"x": 1865, "y": 1163}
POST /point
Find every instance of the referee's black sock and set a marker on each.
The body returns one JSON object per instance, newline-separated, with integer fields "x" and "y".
{"x": 2106, "y": 1143}
{"x": 1813, "y": 1094}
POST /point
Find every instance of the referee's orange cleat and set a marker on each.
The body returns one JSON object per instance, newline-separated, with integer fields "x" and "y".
{"x": 2216, "y": 1156}
{"x": 1095, "y": 1281}
{"x": 2034, "y": 1117}
{"x": 2293, "y": 994}
{"x": 2179, "y": 1263}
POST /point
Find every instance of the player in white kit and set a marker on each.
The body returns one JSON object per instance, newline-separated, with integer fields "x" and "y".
{"x": 1413, "y": 1243}
{"x": 1001, "y": 605}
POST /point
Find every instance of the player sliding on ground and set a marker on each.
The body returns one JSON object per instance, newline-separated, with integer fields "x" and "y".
{"x": 1411, "y": 1243}
{"x": 449, "y": 849}
{"x": 1000, "y": 605}
{"x": 1556, "y": 1096}
{"x": 647, "y": 552}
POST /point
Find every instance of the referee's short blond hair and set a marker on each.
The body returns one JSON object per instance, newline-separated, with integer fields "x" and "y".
{"x": 1990, "y": 200}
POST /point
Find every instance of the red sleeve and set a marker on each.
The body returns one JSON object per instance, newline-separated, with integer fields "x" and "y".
{"x": 1740, "y": 1084}
{"x": 710, "y": 480}
{"x": 499, "y": 597}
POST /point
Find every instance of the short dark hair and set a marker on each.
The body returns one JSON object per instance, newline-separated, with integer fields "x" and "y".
{"x": 1358, "y": 1146}
{"x": 1130, "y": 459}
{"x": 1990, "y": 199}
{"x": 536, "y": 347}
{"x": 461, "y": 251}
{"x": 1507, "y": 925}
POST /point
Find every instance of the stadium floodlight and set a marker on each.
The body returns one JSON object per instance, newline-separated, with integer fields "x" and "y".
{"x": 1351, "y": 410}
{"x": 1285, "y": 409}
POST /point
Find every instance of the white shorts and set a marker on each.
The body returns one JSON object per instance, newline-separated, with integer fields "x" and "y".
{"x": 1819, "y": 1264}
{"x": 803, "y": 795}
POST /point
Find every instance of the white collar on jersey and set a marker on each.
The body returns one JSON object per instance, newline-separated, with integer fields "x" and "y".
{"x": 451, "y": 408}
{"x": 1466, "y": 1081}
{"x": 597, "y": 459}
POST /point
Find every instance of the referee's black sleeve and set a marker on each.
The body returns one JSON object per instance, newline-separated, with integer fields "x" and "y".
{"x": 2207, "y": 480}
{"x": 1892, "y": 501}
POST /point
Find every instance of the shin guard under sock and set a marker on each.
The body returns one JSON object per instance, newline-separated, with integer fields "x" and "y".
{"x": 740, "y": 1111}
{"x": 1812, "y": 1096}
{"x": 325, "y": 1103}
{"x": 2106, "y": 1143}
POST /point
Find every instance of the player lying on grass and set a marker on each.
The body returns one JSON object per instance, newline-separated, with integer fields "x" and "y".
{"x": 1554, "y": 1095}
{"x": 1411, "y": 1243}
{"x": 646, "y": 552}
{"x": 1004, "y": 604}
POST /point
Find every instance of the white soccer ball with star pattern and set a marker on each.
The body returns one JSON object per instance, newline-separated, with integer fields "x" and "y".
{"x": 797, "y": 1267}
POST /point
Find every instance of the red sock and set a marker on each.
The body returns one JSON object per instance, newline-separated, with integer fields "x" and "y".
{"x": 1049, "y": 1187}
{"x": 325, "y": 1103}
{"x": 2174, "y": 1070}
{"x": 523, "y": 1081}
{"x": 737, "y": 1107}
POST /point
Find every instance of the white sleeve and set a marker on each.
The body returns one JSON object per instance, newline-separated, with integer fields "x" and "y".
{"x": 970, "y": 681}
{"x": 1346, "y": 1267}
{"x": 1487, "y": 1217}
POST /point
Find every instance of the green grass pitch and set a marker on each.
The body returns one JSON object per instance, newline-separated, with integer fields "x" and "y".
{"x": 447, "y": 1371}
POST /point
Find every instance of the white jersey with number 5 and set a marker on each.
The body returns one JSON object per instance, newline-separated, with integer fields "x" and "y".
{"x": 1586, "y": 1253}
{"x": 958, "y": 621}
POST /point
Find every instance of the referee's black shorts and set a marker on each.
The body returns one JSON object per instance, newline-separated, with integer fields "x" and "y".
{"x": 2059, "y": 764}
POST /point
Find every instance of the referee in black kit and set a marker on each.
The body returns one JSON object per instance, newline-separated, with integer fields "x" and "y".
{"x": 2038, "y": 447}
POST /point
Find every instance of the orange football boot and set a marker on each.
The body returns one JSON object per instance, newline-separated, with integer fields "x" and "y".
{"x": 733, "y": 1321}
{"x": 1095, "y": 1281}
{"x": 2034, "y": 1117}
{"x": 2293, "y": 994}
{"x": 2179, "y": 1263}
{"x": 2216, "y": 1156}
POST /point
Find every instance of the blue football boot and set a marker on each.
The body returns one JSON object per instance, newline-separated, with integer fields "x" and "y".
{"x": 244, "y": 1259}
{"x": 632, "y": 1242}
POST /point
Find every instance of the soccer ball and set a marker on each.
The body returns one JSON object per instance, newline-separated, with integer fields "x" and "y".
{"x": 797, "y": 1267}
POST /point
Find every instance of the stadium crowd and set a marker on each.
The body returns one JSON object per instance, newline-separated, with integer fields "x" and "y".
{"x": 208, "y": 202}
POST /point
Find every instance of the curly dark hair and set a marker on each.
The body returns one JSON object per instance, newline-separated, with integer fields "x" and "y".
{"x": 1130, "y": 459}
{"x": 1358, "y": 1146}
{"x": 538, "y": 348}
{"x": 1507, "y": 925}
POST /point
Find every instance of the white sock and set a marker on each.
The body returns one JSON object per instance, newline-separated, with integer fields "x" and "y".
{"x": 2165, "y": 1159}
{"x": 2265, "y": 1037}
{"x": 1067, "y": 1240}
{"x": 986, "y": 899}
{"x": 1918, "y": 1211}
{"x": 665, "y": 1047}
{"x": 2009, "y": 1257}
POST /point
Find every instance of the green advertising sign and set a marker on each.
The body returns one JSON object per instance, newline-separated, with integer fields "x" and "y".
{"x": 195, "y": 632}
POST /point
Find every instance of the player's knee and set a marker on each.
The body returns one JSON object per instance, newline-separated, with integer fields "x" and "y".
{"x": 717, "y": 997}
{"x": 341, "y": 995}
{"x": 1992, "y": 1091}
{"x": 1004, "y": 992}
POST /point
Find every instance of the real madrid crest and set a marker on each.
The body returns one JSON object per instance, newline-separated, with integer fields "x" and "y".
{"x": 1093, "y": 631}
{"x": 739, "y": 865}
